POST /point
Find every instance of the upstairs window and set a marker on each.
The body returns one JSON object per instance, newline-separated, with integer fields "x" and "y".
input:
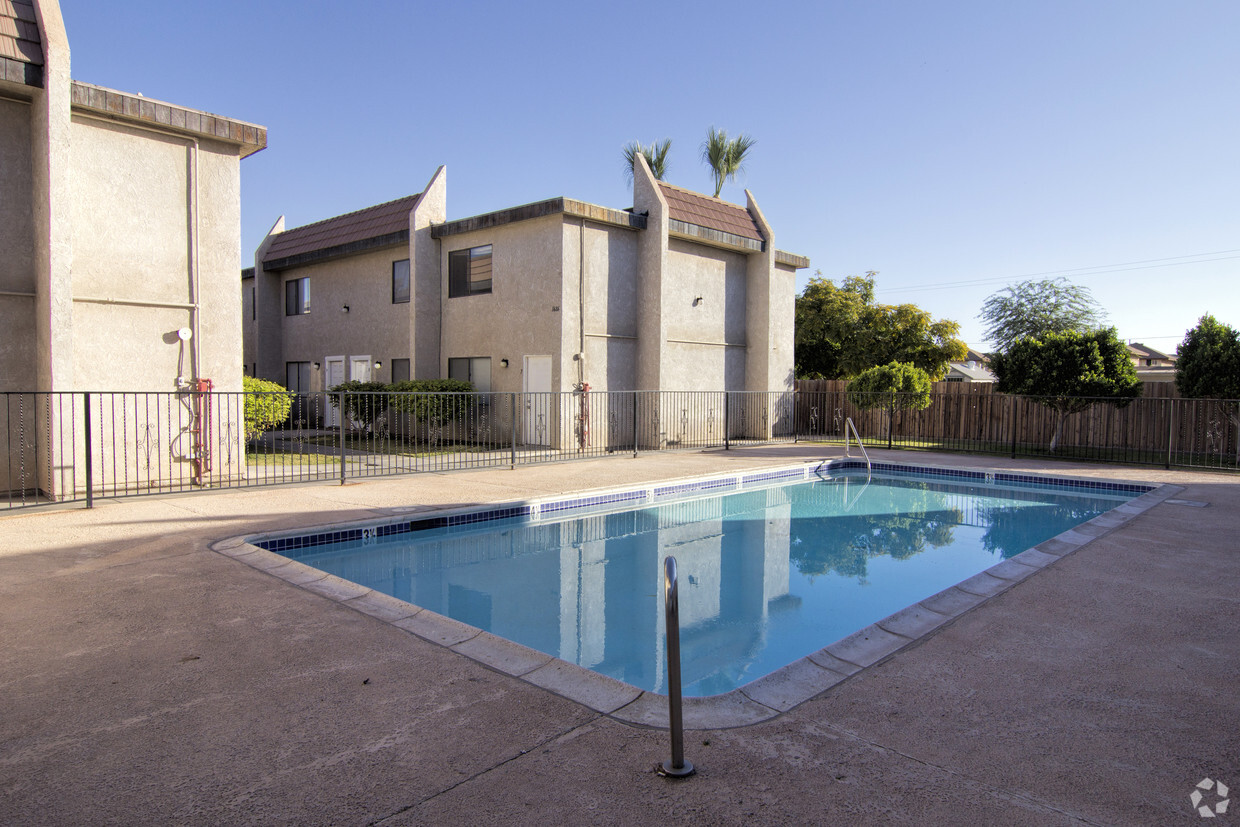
{"x": 400, "y": 281}
{"x": 297, "y": 297}
{"x": 469, "y": 271}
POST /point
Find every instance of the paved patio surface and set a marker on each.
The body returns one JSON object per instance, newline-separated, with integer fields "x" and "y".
{"x": 147, "y": 679}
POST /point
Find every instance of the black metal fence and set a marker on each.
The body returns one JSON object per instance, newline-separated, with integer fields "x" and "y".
{"x": 62, "y": 447}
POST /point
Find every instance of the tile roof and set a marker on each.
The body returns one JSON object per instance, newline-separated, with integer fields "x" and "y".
{"x": 1145, "y": 351}
{"x": 364, "y": 225}
{"x": 21, "y": 49}
{"x": 712, "y": 213}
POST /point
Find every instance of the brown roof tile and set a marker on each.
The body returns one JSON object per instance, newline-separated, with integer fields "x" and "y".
{"x": 712, "y": 213}
{"x": 19, "y": 34}
{"x": 372, "y": 222}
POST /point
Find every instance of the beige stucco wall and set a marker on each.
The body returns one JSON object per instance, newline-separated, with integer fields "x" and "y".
{"x": 155, "y": 220}
{"x": 609, "y": 299}
{"x": 18, "y": 353}
{"x": 523, "y": 315}
{"x": 706, "y": 342}
{"x": 373, "y": 327}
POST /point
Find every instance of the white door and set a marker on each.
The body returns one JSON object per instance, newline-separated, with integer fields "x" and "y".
{"x": 333, "y": 375}
{"x": 359, "y": 368}
{"x": 537, "y": 400}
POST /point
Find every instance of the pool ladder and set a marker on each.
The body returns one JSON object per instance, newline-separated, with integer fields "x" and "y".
{"x": 678, "y": 767}
{"x": 848, "y": 424}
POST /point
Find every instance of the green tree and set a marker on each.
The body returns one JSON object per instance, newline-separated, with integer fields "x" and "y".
{"x": 725, "y": 156}
{"x": 364, "y": 402}
{"x": 655, "y": 154}
{"x": 894, "y": 387}
{"x": 266, "y": 405}
{"x": 1208, "y": 367}
{"x": 840, "y": 332}
{"x": 1068, "y": 372}
{"x": 1031, "y": 309}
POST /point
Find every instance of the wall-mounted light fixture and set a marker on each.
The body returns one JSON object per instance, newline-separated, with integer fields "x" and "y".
{"x": 344, "y": 308}
{"x": 503, "y": 363}
{"x": 378, "y": 365}
{"x": 316, "y": 365}
{"x": 697, "y": 301}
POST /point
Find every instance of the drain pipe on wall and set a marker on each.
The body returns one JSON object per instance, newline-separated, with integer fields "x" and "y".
{"x": 581, "y": 304}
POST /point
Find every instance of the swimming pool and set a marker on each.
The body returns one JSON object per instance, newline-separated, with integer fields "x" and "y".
{"x": 774, "y": 565}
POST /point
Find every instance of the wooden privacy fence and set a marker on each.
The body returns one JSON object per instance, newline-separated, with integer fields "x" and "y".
{"x": 1158, "y": 427}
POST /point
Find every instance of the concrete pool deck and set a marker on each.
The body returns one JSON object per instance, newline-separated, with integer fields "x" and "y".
{"x": 149, "y": 679}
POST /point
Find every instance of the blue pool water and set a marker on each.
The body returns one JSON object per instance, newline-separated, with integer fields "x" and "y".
{"x": 767, "y": 575}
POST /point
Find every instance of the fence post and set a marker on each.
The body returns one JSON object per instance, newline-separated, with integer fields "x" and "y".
{"x": 90, "y": 477}
{"x": 796, "y": 435}
{"x": 512, "y": 414}
{"x": 1170, "y": 429}
{"x": 634, "y": 424}
{"x": 891, "y": 417}
{"x": 340, "y": 434}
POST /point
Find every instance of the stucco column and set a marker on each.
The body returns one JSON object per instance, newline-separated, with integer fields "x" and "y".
{"x": 50, "y": 136}
{"x": 768, "y": 322}
{"x": 651, "y": 289}
{"x": 426, "y": 282}
{"x": 267, "y": 326}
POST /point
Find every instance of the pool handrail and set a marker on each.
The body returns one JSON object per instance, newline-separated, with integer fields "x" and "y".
{"x": 678, "y": 767}
{"x": 848, "y": 423}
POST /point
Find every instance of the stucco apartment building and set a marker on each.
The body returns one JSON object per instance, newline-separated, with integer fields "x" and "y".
{"x": 682, "y": 292}
{"x": 119, "y": 235}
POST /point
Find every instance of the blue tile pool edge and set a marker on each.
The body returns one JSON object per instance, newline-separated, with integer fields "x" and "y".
{"x": 630, "y": 496}
{"x": 759, "y": 700}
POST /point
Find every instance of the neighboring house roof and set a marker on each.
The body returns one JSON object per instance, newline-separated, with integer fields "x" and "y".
{"x": 1140, "y": 351}
{"x": 21, "y": 49}
{"x": 976, "y": 356}
{"x": 970, "y": 371}
{"x": 379, "y": 226}
{"x": 711, "y": 213}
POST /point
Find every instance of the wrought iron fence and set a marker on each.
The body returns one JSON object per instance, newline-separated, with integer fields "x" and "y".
{"x": 61, "y": 447}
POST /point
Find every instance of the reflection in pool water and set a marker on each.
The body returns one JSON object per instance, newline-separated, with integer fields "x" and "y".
{"x": 767, "y": 576}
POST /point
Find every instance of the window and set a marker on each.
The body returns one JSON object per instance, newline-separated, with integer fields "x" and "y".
{"x": 475, "y": 369}
{"x": 400, "y": 281}
{"x": 400, "y": 370}
{"x": 297, "y": 376}
{"x": 297, "y": 297}
{"x": 469, "y": 271}
{"x": 253, "y": 306}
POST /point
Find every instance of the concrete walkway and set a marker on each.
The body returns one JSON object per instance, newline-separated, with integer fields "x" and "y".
{"x": 147, "y": 679}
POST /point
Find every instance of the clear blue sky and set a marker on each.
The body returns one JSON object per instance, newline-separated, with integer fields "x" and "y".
{"x": 954, "y": 147}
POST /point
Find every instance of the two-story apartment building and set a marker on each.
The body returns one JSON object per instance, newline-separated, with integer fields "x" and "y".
{"x": 681, "y": 292}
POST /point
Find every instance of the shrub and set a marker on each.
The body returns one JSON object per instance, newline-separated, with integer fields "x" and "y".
{"x": 364, "y": 402}
{"x": 266, "y": 405}
{"x": 432, "y": 402}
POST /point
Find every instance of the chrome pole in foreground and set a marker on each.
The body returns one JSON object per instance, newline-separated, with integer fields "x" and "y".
{"x": 678, "y": 767}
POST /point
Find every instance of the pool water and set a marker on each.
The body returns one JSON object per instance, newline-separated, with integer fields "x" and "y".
{"x": 767, "y": 576}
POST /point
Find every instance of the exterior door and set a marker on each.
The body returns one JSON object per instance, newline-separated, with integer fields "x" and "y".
{"x": 333, "y": 375}
{"x": 537, "y": 400}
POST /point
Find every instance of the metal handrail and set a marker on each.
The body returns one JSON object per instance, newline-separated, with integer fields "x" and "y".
{"x": 848, "y": 423}
{"x": 678, "y": 767}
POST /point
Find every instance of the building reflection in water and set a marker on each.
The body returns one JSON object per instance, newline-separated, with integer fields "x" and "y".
{"x": 589, "y": 589}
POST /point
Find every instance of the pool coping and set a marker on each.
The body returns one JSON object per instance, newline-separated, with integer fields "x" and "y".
{"x": 759, "y": 700}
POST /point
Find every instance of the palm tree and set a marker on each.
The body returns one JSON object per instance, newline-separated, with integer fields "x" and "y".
{"x": 725, "y": 158}
{"x": 656, "y": 157}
